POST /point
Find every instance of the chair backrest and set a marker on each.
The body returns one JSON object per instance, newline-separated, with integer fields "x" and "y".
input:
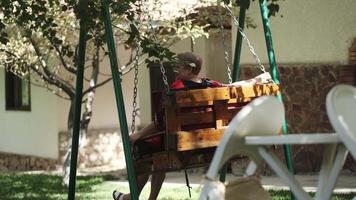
{"x": 341, "y": 110}
{"x": 262, "y": 116}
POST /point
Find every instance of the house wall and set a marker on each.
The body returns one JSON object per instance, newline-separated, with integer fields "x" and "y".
{"x": 318, "y": 31}
{"x": 32, "y": 133}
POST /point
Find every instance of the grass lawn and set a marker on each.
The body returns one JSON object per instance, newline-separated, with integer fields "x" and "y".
{"x": 16, "y": 186}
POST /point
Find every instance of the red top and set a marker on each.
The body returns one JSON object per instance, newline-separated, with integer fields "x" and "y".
{"x": 186, "y": 84}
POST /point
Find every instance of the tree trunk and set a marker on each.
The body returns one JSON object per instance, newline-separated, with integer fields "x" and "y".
{"x": 85, "y": 120}
{"x": 87, "y": 114}
{"x": 66, "y": 164}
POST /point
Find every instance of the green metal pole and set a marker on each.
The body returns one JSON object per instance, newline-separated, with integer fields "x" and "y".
{"x": 273, "y": 65}
{"x": 244, "y": 5}
{"x": 119, "y": 101}
{"x": 223, "y": 172}
{"x": 268, "y": 37}
{"x": 83, "y": 4}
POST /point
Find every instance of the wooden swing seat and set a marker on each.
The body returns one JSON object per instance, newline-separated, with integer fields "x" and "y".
{"x": 195, "y": 121}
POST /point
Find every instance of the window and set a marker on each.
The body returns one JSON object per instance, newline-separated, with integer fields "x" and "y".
{"x": 18, "y": 94}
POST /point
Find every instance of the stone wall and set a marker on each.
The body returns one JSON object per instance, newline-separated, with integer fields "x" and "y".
{"x": 100, "y": 148}
{"x": 13, "y": 162}
{"x": 304, "y": 88}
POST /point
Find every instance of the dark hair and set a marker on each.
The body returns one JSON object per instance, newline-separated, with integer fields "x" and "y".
{"x": 190, "y": 60}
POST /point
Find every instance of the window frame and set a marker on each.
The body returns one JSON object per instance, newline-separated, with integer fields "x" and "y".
{"x": 14, "y": 92}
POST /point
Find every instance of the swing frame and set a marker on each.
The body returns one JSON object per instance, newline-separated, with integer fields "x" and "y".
{"x": 83, "y": 5}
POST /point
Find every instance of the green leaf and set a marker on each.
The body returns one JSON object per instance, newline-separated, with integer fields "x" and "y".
{"x": 273, "y": 8}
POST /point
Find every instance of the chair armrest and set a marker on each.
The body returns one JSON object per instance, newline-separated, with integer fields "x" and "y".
{"x": 312, "y": 138}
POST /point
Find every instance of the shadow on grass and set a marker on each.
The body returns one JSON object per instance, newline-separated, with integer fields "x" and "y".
{"x": 15, "y": 186}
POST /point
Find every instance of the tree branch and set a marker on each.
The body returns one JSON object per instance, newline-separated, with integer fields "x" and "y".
{"x": 67, "y": 89}
{"x": 10, "y": 53}
{"x": 54, "y": 92}
{"x": 96, "y": 86}
{"x": 33, "y": 83}
{"x": 109, "y": 79}
{"x": 61, "y": 58}
{"x": 50, "y": 77}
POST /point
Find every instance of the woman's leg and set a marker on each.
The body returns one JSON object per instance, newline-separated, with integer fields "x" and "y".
{"x": 141, "y": 181}
{"x": 156, "y": 184}
{"x": 157, "y": 178}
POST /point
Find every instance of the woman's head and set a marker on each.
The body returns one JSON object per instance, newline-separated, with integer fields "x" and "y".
{"x": 190, "y": 61}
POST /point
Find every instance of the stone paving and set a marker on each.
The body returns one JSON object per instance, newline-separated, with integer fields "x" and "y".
{"x": 345, "y": 184}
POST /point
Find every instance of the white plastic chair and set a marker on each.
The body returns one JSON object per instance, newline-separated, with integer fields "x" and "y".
{"x": 253, "y": 130}
{"x": 262, "y": 116}
{"x": 341, "y": 110}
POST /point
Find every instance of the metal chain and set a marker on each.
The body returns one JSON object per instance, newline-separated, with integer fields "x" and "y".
{"x": 252, "y": 50}
{"x": 136, "y": 64}
{"x": 134, "y": 102}
{"x": 153, "y": 35}
{"x": 226, "y": 53}
{"x": 164, "y": 77}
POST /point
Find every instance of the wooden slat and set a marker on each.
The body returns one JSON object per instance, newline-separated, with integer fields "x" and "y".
{"x": 202, "y": 95}
{"x": 246, "y": 93}
{"x": 232, "y": 113}
{"x": 166, "y": 161}
{"x": 172, "y": 119}
{"x": 241, "y": 93}
{"x": 173, "y": 161}
{"x": 227, "y": 116}
{"x": 241, "y": 100}
{"x": 196, "y": 104}
{"x": 221, "y": 111}
{"x": 210, "y": 103}
{"x": 196, "y": 118}
{"x": 198, "y": 139}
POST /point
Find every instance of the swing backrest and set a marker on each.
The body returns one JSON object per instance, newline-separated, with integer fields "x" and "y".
{"x": 196, "y": 119}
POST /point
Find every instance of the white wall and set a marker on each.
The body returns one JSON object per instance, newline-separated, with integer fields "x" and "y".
{"x": 30, "y": 133}
{"x": 309, "y": 32}
{"x": 105, "y": 113}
